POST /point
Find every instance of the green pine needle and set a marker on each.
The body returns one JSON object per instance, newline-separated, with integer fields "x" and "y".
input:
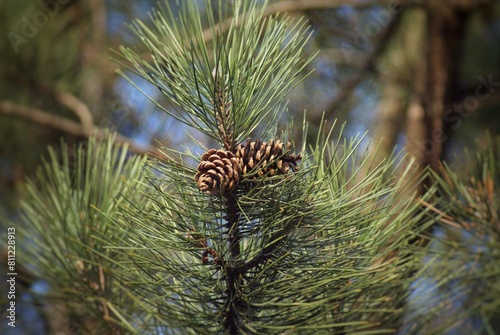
{"x": 253, "y": 60}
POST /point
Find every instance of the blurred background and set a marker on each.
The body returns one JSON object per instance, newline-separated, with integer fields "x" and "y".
{"x": 420, "y": 74}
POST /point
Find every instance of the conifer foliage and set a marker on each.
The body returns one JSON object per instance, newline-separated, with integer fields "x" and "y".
{"x": 464, "y": 266}
{"x": 258, "y": 238}
{"x": 62, "y": 232}
{"x": 258, "y": 243}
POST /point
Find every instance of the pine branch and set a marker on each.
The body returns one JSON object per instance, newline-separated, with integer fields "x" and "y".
{"x": 79, "y": 108}
{"x": 42, "y": 118}
{"x": 463, "y": 266}
{"x": 256, "y": 65}
{"x": 233, "y": 218}
{"x": 66, "y": 99}
{"x": 64, "y": 219}
{"x": 70, "y": 127}
{"x": 233, "y": 271}
{"x": 249, "y": 241}
{"x": 298, "y": 252}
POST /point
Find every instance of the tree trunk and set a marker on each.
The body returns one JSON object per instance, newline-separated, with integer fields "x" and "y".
{"x": 427, "y": 130}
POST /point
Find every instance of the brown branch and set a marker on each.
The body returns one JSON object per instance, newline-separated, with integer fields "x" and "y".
{"x": 296, "y": 6}
{"x": 68, "y": 100}
{"x": 95, "y": 55}
{"x": 98, "y": 12}
{"x": 70, "y": 127}
{"x": 233, "y": 269}
{"x": 303, "y": 5}
{"x": 42, "y": 118}
{"x": 78, "y": 107}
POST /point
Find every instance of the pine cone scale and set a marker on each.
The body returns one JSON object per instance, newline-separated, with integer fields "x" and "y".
{"x": 270, "y": 158}
{"x": 218, "y": 172}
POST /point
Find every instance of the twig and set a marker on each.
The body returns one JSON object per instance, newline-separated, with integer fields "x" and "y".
{"x": 42, "y": 118}
{"x": 434, "y": 209}
{"x": 78, "y": 107}
{"x": 66, "y": 99}
{"x": 68, "y": 126}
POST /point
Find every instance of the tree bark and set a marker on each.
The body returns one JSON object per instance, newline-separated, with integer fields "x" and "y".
{"x": 445, "y": 24}
{"x": 233, "y": 268}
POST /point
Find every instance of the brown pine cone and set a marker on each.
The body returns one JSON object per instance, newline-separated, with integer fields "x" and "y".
{"x": 267, "y": 158}
{"x": 218, "y": 172}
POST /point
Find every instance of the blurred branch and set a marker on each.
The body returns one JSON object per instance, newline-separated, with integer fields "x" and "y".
{"x": 337, "y": 56}
{"x": 42, "y": 118}
{"x": 380, "y": 45}
{"x": 95, "y": 55}
{"x": 78, "y": 107}
{"x": 301, "y": 5}
{"x": 68, "y": 126}
{"x": 98, "y": 12}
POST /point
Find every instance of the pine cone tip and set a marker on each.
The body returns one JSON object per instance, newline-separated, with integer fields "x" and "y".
{"x": 260, "y": 158}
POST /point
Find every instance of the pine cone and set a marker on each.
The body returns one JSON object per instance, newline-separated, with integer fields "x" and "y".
{"x": 218, "y": 173}
{"x": 267, "y": 157}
